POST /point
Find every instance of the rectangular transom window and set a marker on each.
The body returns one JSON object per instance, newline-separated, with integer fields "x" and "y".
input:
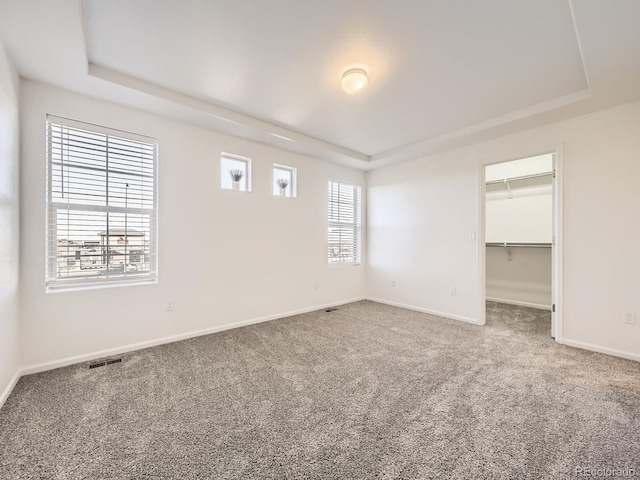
{"x": 235, "y": 172}
{"x": 101, "y": 206}
{"x": 284, "y": 181}
{"x": 345, "y": 223}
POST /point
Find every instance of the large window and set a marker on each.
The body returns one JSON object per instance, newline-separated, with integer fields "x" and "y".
{"x": 101, "y": 205}
{"x": 345, "y": 223}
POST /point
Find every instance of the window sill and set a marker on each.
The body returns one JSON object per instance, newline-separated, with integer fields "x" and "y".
{"x": 60, "y": 287}
{"x": 344, "y": 264}
{"x": 227, "y": 189}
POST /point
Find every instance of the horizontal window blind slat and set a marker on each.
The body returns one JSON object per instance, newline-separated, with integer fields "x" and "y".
{"x": 92, "y": 129}
{"x": 101, "y": 208}
{"x": 62, "y": 148}
{"x": 60, "y": 166}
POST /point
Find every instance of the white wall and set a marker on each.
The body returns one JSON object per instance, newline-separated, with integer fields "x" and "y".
{"x": 224, "y": 257}
{"x": 419, "y": 219}
{"x": 421, "y": 213}
{"x": 520, "y": 211}
{"x": 526, "y": 217}
{"x": 9, "y": 223}
{"x": 521, "y": 276}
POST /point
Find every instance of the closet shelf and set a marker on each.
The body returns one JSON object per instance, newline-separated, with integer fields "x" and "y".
{"x": 507, "y": 244}
{"x": 522, "y": 177}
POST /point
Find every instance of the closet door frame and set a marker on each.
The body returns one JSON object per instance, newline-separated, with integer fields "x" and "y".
{"x": 557, "y": 241}
{"x": 557, "y": 249}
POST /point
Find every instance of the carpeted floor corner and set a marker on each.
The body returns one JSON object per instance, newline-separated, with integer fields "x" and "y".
{"x": 368, "y": 391}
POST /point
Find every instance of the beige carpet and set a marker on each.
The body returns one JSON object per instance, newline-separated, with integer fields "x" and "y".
{"x": 368, "y": 391}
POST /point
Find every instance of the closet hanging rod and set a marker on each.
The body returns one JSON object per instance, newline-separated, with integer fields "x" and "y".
{"x": 522, "y": 177}
{"x": 507, "y": 244}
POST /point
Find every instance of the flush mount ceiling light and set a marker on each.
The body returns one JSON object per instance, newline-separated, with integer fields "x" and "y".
{"x": 354, "y": 81}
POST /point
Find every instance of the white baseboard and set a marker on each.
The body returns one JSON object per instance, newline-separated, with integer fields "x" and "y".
{"x": 520, "y": 304}
{"x": 9, "y": 389}
{"x": 183, "y": 336}
{"x": 605, "y": 350}
{"x": 173, "y": 338}
{"x": 426, "y": 310}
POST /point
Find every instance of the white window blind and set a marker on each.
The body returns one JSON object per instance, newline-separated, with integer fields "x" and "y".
{"x": 345, "y": 223}
{"x": 101, "y": 205}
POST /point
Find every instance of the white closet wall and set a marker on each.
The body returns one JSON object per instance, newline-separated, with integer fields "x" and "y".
{"x": 523, "y": 280}
{"x": 524, "y": 218}
{"x": 519, "y": 211}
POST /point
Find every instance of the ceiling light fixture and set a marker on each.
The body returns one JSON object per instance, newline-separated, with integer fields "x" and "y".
{"x": 354, "y": 81}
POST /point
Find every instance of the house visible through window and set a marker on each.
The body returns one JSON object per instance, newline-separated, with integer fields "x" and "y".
{"x": 101, "y": 205}
{"x": 345, "y": 223}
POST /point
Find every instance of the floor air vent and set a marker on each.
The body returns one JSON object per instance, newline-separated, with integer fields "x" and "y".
{"x": 329, "y": 310}
{"x": 105, "y": 362}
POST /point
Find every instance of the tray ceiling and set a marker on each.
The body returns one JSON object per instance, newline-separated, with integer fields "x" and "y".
{"x": 441, "y": 74}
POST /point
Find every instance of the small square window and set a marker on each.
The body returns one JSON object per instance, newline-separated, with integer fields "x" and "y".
{"x": 235, "y": 172}
{"x": 284, "y": 181}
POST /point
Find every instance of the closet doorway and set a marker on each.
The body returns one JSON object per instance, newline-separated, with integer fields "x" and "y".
{"x": 521, "y": 241}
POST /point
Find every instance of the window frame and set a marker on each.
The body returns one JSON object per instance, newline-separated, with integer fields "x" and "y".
{"x": 54, "y": 283}
{"x": 357, "y": 223}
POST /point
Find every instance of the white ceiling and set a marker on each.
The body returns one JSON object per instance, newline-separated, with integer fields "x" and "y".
{"x": 442, "y": 73}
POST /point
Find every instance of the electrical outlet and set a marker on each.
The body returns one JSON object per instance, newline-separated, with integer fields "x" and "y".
{"x": 316, "y": 285}
{"x": 452, "y": 291}
{"x": 629, "y": 318}
{"x": 169, "y": 306}
{"x": 393, "y": 282}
